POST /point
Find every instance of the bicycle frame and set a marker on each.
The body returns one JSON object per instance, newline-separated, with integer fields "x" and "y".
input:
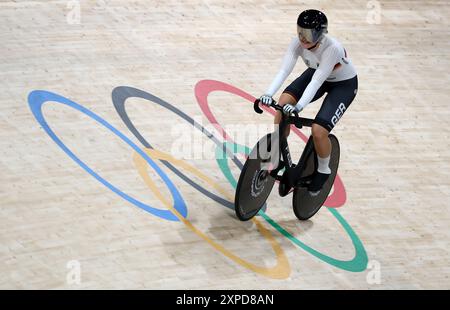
{"x": 256, "y": 180}
{"x": 290, "y": 176}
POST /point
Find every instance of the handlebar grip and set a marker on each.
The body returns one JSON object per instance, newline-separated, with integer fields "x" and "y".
{"x": 259, "y": 110}
{"x": 256, "y": 106}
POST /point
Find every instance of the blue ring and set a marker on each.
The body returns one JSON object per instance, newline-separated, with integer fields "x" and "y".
{"x": 38, "y": 97}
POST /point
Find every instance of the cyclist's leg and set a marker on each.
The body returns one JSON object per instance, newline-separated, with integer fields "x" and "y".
{"x": 340, "y": 96}
{"x": 285, "y": 98}
{"x": 322, "y": 144}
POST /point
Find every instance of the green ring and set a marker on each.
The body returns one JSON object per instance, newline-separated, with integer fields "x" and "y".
{"x": 357, "y": 264}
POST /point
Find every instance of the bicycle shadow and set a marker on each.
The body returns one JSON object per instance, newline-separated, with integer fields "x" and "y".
{"x": 296, "y": 227}
{"x": 293, "y": 226}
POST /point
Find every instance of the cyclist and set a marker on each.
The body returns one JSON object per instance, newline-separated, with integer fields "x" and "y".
{"x": 329, "y": 71}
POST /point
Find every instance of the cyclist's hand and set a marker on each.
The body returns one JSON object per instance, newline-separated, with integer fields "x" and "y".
{"x": 288, "y": 109}
{"x": 266, "y": 100}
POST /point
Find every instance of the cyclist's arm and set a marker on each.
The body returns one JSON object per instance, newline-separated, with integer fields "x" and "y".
{"x": 329, "y": 59}
{"x": 289, "y": 61}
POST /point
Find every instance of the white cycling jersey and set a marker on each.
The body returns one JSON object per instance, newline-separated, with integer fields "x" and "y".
{"x": 329, "y": 59}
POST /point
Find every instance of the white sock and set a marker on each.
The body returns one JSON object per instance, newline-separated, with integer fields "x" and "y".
{"x": 323, "y": 165}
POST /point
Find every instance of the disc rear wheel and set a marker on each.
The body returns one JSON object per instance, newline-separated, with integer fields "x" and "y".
{"x": 304, "y": 203}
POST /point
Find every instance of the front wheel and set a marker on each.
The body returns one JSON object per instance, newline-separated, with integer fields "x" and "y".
{"x": 304, "y": 204}
{"x": 255, "y": 183}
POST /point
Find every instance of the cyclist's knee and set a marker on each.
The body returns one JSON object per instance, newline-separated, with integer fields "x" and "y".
{"x": 319, "y": 132}
{"x": 286, "y": 98}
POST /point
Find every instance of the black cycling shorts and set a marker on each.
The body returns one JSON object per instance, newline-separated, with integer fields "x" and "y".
{"x": 339, "y": 97}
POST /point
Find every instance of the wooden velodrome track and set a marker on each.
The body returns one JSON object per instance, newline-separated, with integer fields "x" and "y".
{"x": 387, "y": 226}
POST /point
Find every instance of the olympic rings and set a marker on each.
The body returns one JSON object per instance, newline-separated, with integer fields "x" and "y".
{"x": 203, "y": 88}
{"x": 179, "y": 210}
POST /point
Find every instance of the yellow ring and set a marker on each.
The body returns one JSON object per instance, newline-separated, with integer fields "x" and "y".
{"x": 281, "y": 270}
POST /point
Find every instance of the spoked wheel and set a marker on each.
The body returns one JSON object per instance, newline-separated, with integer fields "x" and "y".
{"x": 255, "y": 183}
{"x": 305, "y": 205}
